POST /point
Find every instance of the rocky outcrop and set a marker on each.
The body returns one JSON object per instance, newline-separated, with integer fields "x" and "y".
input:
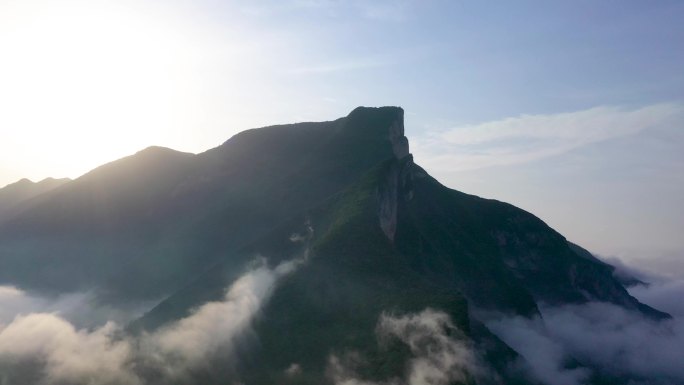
{"x": 397, "y": 183}
{"x": 400, "y": 144}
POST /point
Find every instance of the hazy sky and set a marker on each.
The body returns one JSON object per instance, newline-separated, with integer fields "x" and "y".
{"x": 572, "y": 110}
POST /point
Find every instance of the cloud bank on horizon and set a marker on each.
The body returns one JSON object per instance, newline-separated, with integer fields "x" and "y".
{"x": 602, "y": 335}
{"x": 528, "y": 138}
{"x": 616, "y": 168}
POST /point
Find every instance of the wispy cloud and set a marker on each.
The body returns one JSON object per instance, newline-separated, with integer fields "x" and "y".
{"x": 395, "y": 11}
{"x": 664, "y": 293}
{"x": 80, "y": 308}
{"x": 531, "y": 137}
{"x": 68, "y": 355}
{"x": 45, "y": 348}
{"x": 350, "y": 65}
{"x": 441, "y": 354}
{"x": 384, "y": 10}
{"x": 619, "y": 341}
{"x": 215, "y": 326}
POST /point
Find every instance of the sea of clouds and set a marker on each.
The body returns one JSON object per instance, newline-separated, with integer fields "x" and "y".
{"x": 47, "y": 348}
{"x": 53, "y": 341}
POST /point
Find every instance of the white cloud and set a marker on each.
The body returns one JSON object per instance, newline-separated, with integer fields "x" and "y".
{"x": 342, "y": 66}
{"x": 392, "y": 11}
{"x": 531, "y": 137}
{"x": 664, "y": 295}
{"x": 441, "y": 353}
{"x": 69, "y": 355}
{"x": 48, "y": 343}
{"x": 545, "y": 358}
{"x": 385, "y": 10}
{"x": 80, "y": 308}
{"x": 214, "y": 326}
{"x": 618, "y": 341}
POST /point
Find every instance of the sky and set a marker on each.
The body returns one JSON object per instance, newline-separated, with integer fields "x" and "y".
{"x": 570, "y": 110}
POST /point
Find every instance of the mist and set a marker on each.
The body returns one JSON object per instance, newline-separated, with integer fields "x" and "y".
{"x": 440, "y": 353}
{"x": 623, "y": 343}
{"x": 215, "y": 326}
{"x": 41, "y": 344}
{"x": 663, "y": 294}
{"x": 46, "y": 348}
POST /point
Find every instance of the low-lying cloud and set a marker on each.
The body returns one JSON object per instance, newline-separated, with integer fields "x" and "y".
{"x": 441, "y": 353}
{"x": 620, "y": 342}
{"x": 214, "y": 326}
{"x": 81, "y": 309}
{"x": 68, "y": 356}
{"x": 42, "y": 347}
{"x": 48, "y": 344}
{"x": 665, "y": 294}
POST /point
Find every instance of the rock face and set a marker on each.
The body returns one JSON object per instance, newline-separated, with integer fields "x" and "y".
{"x": 396, "y": 186}
{"x": 397, "y": 182}
{"x": 400, "y": 144}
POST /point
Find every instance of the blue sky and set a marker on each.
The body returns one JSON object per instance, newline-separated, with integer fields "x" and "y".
{"x": 572, "y": 110}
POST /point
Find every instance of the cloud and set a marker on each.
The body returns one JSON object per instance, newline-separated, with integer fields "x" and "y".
{"x": 389, "y": 11}
{"x": 531, "y": 137}
{"x": 663, "y": 288}
{"x": 663, "y": 294}
{"x": 343, "y": 66}
{"x": 68, "y": 355}
{"x": 620, "y": 342}
{"x": 49, "y": 344}
{"x": 441, "y": 354}
{"x": 191, "y": 341}
{"x": 379, "y": 10}
{"x": 545, "y": 358}
{"x": 81, "y": 308}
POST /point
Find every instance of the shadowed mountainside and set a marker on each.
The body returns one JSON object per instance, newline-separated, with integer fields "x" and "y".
{"x": 380, "y": 235}
{"x": 141, "y": 226}
{"x": 14, "y": 195}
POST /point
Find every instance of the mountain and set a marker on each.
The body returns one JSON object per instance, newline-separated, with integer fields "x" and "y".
{"x": 146, "y": 223}
{"x": 368, "y": 235}
{"x": 15, "y": 194}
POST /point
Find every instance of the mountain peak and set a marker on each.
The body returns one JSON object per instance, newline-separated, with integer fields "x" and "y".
{"x": 389, "y": 120}
{"x": 153, "y": 150}
{"x": 25, "y": 189}
{"x": 22, "y": 182}
{"x": 382, "y": 237}
{"x": 368, "y": 110}
{"x": 376, "y": 114}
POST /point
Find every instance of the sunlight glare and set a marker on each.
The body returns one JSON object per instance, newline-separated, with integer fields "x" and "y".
{"x": 86, "y": 82}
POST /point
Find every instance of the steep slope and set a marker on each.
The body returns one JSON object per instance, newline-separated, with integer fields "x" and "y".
{"x": 501, "y": 257}
{"x": 14, "y": 195}
{"x": 332, "y": 303}
{"x": 398, "y": 242}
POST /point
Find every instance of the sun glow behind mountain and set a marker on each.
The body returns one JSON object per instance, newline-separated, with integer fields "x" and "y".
{"x": 579, "y": 109}
{"x": 86, "y": 82}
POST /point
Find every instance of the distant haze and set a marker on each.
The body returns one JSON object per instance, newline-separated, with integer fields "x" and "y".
{"x": 571, "y": 111}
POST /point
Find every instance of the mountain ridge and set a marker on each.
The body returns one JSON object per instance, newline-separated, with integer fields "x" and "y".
{"x": 378, "y": 235}
{"x": 178, "y": 208}
{"x": 24, "y": 190}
